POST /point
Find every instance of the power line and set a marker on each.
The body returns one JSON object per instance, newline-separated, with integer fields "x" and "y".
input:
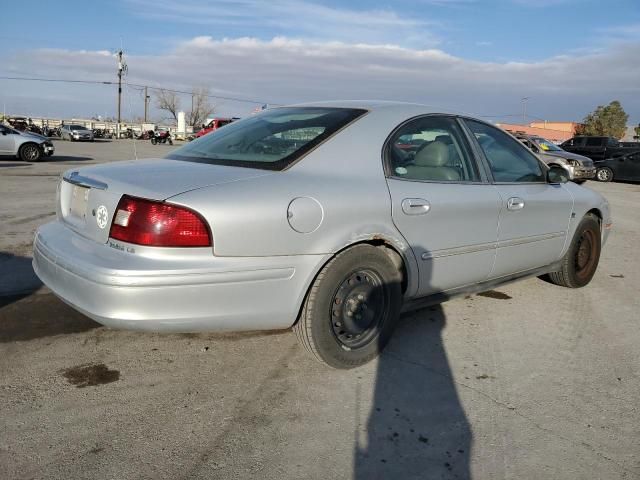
{"x": 95, "y": 82}
{"x": 98, "y": 82}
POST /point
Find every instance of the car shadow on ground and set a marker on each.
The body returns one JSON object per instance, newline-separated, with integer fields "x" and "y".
{"x": 64, "y": 158}
{"x": 30, "y": 316}
{"x": 417, "y": 427}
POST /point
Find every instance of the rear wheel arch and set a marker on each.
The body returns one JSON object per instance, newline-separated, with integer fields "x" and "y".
{"x": 394, "y": 253}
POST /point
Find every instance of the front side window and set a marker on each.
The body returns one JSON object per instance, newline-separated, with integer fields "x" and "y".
{"x": 271, "y": 140}
{"x": 430, "y": 148}
{"x": 594, "y": 142}
{"x": 509, "y": 160}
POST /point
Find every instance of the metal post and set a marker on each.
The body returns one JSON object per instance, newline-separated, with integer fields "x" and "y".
{"x": 122, "y": 70}
{"x": 146, "y": 100}
{"x": 119, "y": 91}
{"x": 524, "y": 109}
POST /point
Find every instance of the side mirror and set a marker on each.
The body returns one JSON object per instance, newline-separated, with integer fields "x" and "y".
{"x": 557, "y": 174}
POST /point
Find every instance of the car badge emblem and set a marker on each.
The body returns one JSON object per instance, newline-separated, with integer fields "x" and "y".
{"x": 102, "y": 216}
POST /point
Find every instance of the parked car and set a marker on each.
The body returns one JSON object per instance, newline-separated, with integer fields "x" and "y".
{"x": 597, "y": 148}
{"x": 312, "y": 216}
{"x": 624, "y": 167}
{"x": 76, "y": 133}
{"x": 27, "y": 146}
{"x": 214, "y": 125}
{"x": 578, "y": 168}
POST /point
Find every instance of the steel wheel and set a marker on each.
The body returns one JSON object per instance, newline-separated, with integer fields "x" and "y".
{"x": 359, "y": 307}
{"x": 579, "y": 265}
{"x": 585, "y": 256}
{"x": 352, "y": 306}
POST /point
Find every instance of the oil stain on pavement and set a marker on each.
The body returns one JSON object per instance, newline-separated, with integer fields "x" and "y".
{"x": 90, "y": 375}
{"x": 495, "y": 294}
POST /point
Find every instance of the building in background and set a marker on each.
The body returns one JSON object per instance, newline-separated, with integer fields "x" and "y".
{"x": 630, "y": 134}
{"x": 556, "y": 132}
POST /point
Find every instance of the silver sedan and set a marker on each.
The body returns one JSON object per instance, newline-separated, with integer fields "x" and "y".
{"x": 27, "y": 146}
{"x": 331, "y": 218}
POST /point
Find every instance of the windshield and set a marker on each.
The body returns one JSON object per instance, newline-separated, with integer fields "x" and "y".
{"x": 271, "y": 140}
{"x": 546, "y": 145}
{"x": 77, "y": 127}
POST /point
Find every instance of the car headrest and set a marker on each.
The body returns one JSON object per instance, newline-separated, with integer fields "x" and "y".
{"x": 446, "y": 139}
{"x": 436, "y": 154}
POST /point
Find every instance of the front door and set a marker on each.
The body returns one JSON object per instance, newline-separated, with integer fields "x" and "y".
{"x": 534, "y": 215}
{"x": 7, "y": 141}
{"x": 441, "y": 203}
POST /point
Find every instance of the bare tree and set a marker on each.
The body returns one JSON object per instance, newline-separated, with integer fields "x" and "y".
{"x": 169, "y": 102}
{"x": 201, "y": 107}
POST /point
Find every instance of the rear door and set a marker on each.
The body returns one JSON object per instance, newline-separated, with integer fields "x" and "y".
{"x": 442, "y": 203}
{"x": 595, "y": 148}
{"x": 534, "y": 215}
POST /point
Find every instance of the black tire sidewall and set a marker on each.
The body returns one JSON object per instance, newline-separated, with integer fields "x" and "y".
{"x": 30, "y": 159}
{"x": 327, "y": 345}
{"x": 588, "y": 222}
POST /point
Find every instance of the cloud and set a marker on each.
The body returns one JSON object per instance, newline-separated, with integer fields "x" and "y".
{"x": 283, "y": 70}
{"x": 301, "y": 19}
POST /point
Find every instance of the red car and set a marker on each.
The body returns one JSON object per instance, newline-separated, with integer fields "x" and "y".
{"x": 213, "y": 125}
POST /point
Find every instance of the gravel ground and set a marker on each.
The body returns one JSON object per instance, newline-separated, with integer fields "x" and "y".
{"x": 533, "y": 381}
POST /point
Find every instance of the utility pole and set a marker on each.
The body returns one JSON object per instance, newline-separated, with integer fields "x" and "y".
{"x": 191, "y": 114}
{"x": 524, "y": 109}
{"x": 122, "y": 70}
{"x": 146, "y": 104}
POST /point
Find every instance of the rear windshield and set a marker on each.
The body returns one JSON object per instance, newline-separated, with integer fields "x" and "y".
{"x": 271, "y": 140}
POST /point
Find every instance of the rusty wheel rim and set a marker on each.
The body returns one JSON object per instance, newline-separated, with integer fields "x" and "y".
{"x": 585, "y": 256}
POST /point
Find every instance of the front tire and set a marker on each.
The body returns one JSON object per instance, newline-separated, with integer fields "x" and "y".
{"x": 30, "y": 152}
{"x": 604, "y": 174}
{"x": 153, "y": 141}
{"x": 581, "y": 260}
{"x": 352, "y": 307}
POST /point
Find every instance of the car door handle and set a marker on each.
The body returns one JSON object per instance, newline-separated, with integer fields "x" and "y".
{"x": 415, "y": 206}
{"x": 515, "y": 203}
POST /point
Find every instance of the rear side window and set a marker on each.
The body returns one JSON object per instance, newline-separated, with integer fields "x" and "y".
{"x": 509, "y": 160}
{"x": 430, "y": 148}
{"x": 271, "y": 140}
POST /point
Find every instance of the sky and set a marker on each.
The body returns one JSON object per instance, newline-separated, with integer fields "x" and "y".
{"x": 477, "y": 56}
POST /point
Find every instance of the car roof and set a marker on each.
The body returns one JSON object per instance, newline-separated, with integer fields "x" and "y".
{"x": 384, "y": 105}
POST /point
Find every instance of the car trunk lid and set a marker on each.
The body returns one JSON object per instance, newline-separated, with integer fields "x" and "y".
{"x": 88, "y": 197}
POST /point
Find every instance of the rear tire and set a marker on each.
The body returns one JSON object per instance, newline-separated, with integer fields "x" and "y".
{"x": 30, "y": 152}
{"x": 352, "y": 307}
{"x": 604, "y": 174}
{"x": 581, "y": 260}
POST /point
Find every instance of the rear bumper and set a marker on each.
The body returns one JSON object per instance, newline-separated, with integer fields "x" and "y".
{"x": 180, "y": 294}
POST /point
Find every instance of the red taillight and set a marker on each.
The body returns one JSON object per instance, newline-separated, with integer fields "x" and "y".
{"x": 158, "y": 224}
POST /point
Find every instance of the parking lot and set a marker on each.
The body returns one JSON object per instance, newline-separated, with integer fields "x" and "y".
{"x": 530, "y": 381}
